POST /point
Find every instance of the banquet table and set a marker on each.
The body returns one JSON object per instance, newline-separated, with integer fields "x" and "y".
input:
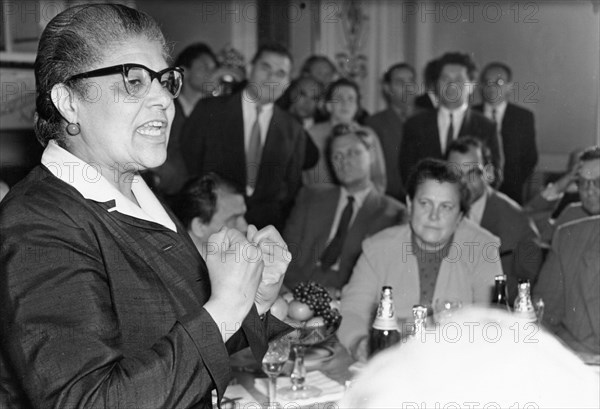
{"x": 337, "y": 365}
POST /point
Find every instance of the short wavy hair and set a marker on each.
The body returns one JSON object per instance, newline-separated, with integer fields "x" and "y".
{"x": 439, "y": 171}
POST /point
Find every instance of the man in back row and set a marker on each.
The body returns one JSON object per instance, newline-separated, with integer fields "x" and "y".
{"x": 429, "y": 133}
{"x": 247, "y": 139}
{"x": 515, "y": 126}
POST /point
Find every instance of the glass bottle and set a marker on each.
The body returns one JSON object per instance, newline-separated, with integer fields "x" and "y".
{"x": 500, "y": 298}
{"x": 420, "y": 318}
{"x": 523, "y": 307}
{"x": 384, "y": 332}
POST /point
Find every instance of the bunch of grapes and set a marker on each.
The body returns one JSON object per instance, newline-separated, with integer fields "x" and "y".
{"x": 317, "y": 298}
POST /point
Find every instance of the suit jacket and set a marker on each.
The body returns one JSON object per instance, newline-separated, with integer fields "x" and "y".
{"x": 569, "y": 284}
{"x": 520, "y": 255}
{"x": 213, "y": 141}
{"x": 421, "y": 139}
{"x": 467, "y": 274}
{"x": 519, "y": 148}
{"x": 309, "y": 226}
{"x": 100, "y": 309}
{"x": 389, "y": 126}
{"x": 423, "y": 101}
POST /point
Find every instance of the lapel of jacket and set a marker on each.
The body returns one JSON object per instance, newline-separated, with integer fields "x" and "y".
{"x": 431, "y": 129}
{"x": 488, "y": 217}
{"x": 171, "y": 263}
{"x": 507, "y": 121}
{"x": 465, "y": 127}
{"x": 232, "y": 138}
{"x": 364, "y": 219}
{"x": 321, "y": 218}
{"x": 276, "y": 148}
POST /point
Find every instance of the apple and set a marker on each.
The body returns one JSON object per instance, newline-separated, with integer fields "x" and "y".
{"x": 299, "y": 311}
{"x": 279, "y": 309}
{"x": 288, "y": 297}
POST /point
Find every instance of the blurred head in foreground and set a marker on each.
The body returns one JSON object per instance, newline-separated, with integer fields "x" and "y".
{"x": 482, "y": 359}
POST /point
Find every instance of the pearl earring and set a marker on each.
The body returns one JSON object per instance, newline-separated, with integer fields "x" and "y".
{"x": 73, "y": 129}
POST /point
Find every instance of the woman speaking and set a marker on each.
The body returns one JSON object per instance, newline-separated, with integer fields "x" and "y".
{"x": 104, "y": 300}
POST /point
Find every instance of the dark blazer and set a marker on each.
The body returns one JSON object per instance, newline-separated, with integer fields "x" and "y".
{"x": 520, "y": 255}
{"x": 213, "y": 141}
{"x": 423, "y": 101}
{"x": 421, "y": 139}
{"x": 388, "y": 126}
{"x": 569, "y": 284}
{"x": 309, "y": 225}
{"x": 100, "y": 309}
{"x": 519, "y": 147}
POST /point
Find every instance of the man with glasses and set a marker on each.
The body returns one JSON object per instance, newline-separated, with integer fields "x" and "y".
{"x": 569, "y": 282}
{"x": 429, "y": 133}
{"x": 587, "y": 179}
{"x": 521, "y": 257}
{"x": 249, "y": 140}
{"x": 515, "y": 126}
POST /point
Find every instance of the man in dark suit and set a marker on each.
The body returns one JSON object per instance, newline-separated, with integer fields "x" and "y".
{"x": 328, "y": 223}
{"x": 569, "y": 284}
{"x": 398, "y": 89}
{"x": 249, "y": 140}
{"x": 515, "y": 126}
{"x": 494, "y": 211}
{"x": 429, "y": 133}
{"x": 428, "y": 100}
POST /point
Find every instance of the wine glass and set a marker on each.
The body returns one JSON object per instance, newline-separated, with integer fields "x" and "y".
{"x": 272, "y": 364}
{"x": 305, "y": 337}
{"x": 444, "y": 308}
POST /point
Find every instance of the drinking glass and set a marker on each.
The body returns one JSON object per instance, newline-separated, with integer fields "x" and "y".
{"x": 273, "y": 362}
{"x": 298, "y": 389}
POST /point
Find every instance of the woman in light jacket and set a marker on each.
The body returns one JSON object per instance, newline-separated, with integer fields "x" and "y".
{"x": 438, "y": 255}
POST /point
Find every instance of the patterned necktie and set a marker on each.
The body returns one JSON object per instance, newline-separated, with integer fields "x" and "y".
{"x": 334, "y": 249}
{"x": 254, "y": 152}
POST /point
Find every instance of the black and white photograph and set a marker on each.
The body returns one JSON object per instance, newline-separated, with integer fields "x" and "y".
{"x": 286, "y": 204}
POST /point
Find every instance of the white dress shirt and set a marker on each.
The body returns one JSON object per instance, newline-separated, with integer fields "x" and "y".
{"x": 88, "y": 180}
{"x": 443, "y": 120}
{"x": 249, "y": 112}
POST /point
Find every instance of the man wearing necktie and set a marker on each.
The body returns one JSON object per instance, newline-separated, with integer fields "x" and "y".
{"x": 329, "y": 222}
{"x": 515, "y": 125}
{"x": 429, "y": 133}
{"x": 250, "y": 141}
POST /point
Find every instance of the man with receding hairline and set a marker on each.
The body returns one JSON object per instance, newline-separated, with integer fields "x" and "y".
{"x": 248, "y": 139}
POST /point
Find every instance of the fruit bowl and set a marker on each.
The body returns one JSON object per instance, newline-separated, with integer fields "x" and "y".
{"x": 311, "y": 335}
